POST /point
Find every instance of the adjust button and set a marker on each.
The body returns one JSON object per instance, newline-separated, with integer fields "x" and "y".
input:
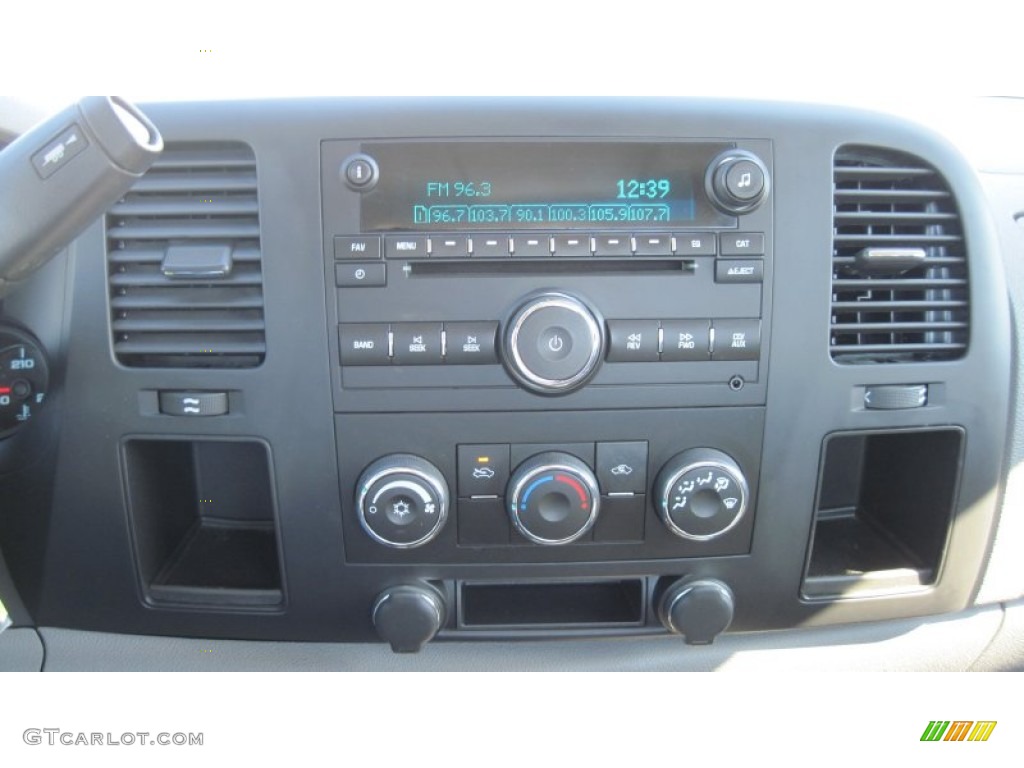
{"x": 633, "y": 341}
{"x": 194, "y": 403}
{"x": 364, "y": 343}
{"x": 743, "y": 244}
{"x": 470, "y": 343}
{"x": 890, "y": 397}
{"x": 417, "y": 343}
{"x": 684, "y": 340}
{"x": 737, "y": 340}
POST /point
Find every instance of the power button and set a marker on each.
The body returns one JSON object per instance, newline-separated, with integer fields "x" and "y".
{"x": 553, "y": 343}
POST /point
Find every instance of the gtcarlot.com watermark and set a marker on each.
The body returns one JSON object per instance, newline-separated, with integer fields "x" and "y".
{"x": 57, "y": 737}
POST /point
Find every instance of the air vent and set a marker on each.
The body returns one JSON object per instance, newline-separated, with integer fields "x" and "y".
{"x": 899, "y": 267}
{"x": 183, "y": 251}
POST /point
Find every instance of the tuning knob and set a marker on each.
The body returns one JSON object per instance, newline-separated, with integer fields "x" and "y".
{"x": 701, "y": 493}
{"x": 737, "y": 181}
{"x": 697, "y": 609}
{"x": 402, "y": 501}
{"x": 409, "y": 616}
{"x": 553, "y": 498}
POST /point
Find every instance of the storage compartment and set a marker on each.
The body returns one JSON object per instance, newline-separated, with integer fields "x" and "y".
{"x": 202, "y": 514}
{"x": 884, "y": 509}
{"x": 568, "y": 604}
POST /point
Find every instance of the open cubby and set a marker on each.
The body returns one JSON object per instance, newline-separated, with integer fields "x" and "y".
{"x": 884, "y": 510}
{"x": 203, "y": 520}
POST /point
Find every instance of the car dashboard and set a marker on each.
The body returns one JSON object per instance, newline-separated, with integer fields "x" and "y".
{"x": 720, "y": 381}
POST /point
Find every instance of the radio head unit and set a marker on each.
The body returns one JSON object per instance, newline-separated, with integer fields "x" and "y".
{"x": 522, "y": 267}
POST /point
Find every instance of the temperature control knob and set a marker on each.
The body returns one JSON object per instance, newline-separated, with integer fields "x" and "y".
{"x": 553, "y": 498}
{"x": 402, "y": 501}
{"x": 701, "y": 494}
{"x": 24, "y": 378}
{"x": 737, "y": 181}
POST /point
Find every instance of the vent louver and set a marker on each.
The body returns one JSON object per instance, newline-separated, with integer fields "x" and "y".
{"x": 184, "y": 260}
{"x": 899, "y": 266}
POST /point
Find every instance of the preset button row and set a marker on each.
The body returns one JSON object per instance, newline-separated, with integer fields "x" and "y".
{"x": 535, "y": 245}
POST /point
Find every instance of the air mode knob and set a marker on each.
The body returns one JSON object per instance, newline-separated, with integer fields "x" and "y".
{"x": 402, "y": 501}
{"x": 737, "y": 181}
{"x": 553, "y": 498}
{"x": 553, "y": 343}
{"x": 700, "y": 494}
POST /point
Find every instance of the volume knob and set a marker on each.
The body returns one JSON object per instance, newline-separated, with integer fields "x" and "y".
{"x": 553, "y": 343}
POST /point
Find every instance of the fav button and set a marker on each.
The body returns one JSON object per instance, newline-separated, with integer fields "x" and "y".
{"x": 354, "y": 247}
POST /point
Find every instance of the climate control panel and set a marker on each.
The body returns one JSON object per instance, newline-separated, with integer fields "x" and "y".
{"x": 682, "y": 486}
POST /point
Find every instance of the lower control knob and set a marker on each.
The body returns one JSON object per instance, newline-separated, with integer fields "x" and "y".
{"x": 407, "y": 617}
{"x": 402, "y": 501}
{"x": 553, "y": 343}
{"x": 553, "y": 498}
{"x": 701, "y": 494}
{"x": 697, "y": 609}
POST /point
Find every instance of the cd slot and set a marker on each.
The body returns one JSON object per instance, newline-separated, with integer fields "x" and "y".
{"x": 548, "y": 266}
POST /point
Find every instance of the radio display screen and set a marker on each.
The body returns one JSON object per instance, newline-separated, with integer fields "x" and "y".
{"x": 527, "y": 185}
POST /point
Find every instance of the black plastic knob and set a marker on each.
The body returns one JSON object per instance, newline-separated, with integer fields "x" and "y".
{"x": 553, "y": 498}
{"x": 697, "y": 609}
{"x": 701, "y": 494}
{"x": 402, "y": 501}
{"x": 737, "y": 182}
{"x": 553, "y": 343}
{"x": 409, "y": 616}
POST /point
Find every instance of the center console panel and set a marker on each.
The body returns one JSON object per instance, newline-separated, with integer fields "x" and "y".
{"x": 534, "y": 371}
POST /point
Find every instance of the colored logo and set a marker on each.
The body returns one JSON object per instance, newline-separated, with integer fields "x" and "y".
{"x": 958, "y": 730}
